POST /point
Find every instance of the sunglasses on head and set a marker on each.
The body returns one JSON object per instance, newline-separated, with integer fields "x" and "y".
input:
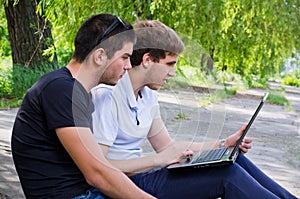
{"x": 112, "y": 27}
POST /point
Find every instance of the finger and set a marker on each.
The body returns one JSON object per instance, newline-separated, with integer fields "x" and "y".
{"x": 243, "y": 150}
{"x": 245, "y": 145}
{"x": 247, "y": 140}
{"x": 188, "y": 152}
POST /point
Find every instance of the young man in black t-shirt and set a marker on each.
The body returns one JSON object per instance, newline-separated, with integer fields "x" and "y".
{"x": 53, "y": 148}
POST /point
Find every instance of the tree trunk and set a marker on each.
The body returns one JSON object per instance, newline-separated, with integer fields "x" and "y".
{"x": 29, "y": 34}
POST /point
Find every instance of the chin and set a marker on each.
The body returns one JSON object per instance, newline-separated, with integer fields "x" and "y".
{"x": 109, "y": 83}
{"x": 155, "y": 87}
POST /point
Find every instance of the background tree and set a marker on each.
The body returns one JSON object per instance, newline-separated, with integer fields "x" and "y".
{"x": 29, "y": 33}
{"x": 244, "y": 37}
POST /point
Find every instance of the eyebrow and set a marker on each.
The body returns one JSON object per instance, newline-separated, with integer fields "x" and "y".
{"x": 127, "y": 54}
{"x": 172, "y": 62}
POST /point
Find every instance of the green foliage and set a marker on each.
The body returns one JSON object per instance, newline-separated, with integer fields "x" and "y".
{"x": 292, "y": 79}
{"x": 229, "y": 91}
{"x": 278, "y": 98}
{"x": 247, "y": 38}
{"x": 4, "y": 41}
{"x": 181, "y": 116}
{"x": 24, "y": 77}
{"x": 217, "y": 96}
{"x": 5, "y": 83}
{"x": 244, "y": 37}
{"x": 67, "y": 16}
{"x": 254, "y": 81}
{"x": 9, "y": 103}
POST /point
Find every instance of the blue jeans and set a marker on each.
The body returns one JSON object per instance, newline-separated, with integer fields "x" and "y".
{"x": 91, "y": 194}
{"x": 240, "y": 180}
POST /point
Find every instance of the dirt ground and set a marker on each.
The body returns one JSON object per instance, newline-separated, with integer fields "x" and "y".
{"x": 275, "y": 132}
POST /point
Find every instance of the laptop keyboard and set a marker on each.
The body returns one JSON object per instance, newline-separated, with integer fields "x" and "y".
{"x": 209, "y": 155}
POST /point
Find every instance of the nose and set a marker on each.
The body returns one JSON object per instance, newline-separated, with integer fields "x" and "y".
{"x": 172, "y": 72}
{"x": 127, "y": 65}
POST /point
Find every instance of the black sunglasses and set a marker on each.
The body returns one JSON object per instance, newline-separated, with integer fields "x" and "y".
{"x": 112, "y": 27}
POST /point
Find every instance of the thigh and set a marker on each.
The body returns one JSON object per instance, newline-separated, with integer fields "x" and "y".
{"x": 225, "y": 182}
{"x": 181, "y": 184}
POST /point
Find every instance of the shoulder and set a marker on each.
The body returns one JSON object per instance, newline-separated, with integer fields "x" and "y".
{"x": 55, "y": 82}
{"x": 149, "y": 94}
{"x": 102, "y": 91}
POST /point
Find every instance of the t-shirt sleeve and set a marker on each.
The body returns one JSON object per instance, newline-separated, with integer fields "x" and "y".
{"x": 57, "y": 103}
{"x": 105, "y": 125}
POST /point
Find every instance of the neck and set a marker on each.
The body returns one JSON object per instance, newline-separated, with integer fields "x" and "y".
{"x": 83, "y": 74}
{"x": 73, "y": 66}
{"x": 137, "y": 80}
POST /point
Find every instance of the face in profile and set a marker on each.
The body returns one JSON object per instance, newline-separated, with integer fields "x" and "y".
{"x": 161, "y": 71}
{"x": 117, "y": 65}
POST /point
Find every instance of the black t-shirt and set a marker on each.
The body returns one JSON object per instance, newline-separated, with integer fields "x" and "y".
{"x": 44, "y": 167}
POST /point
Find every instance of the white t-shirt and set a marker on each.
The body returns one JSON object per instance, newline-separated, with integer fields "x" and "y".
{"x": 122, "y": 122}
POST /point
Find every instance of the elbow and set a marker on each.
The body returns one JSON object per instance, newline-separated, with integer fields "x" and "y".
{"x": 97, "y": 181}
{"x": 102, "y": 181}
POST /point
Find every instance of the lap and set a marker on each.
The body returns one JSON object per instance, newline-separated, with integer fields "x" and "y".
{"x": 91, "y": 194}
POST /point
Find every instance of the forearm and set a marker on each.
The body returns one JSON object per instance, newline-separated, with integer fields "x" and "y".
{"x": 137, "y": 165}
{"x": 198, "y": 146}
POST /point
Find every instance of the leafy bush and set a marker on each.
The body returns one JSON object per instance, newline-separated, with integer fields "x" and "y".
{"x": 291, "y": 81}
{"x": 24, "y": 78}
{"x": 278, "y": 98}
{"x": 255, "y": 82}
{"x": 5, "y": 83}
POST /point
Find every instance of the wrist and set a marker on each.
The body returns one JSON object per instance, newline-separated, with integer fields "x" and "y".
{"x": 222, "y": 143}
{"x": 157, "y": 160}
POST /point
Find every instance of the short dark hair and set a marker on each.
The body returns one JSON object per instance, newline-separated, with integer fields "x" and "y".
{"x": 155, "y": 38}
{"x": 90, "y": 36}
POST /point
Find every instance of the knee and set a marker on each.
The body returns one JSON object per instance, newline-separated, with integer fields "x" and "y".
{"x": 233, "y": 172}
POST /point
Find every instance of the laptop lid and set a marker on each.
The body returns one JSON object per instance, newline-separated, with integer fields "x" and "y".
{"x": 236, "y": 147}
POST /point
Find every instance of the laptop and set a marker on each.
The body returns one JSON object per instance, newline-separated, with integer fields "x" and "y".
{"x": 218, "y": 156}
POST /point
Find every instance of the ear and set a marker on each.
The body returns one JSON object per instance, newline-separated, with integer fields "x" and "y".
{"x": 100, "y": 57}
{"x": 146, "y": 60}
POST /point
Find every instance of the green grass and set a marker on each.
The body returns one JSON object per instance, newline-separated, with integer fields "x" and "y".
{"x": 278, "y": 97}
{"x": 214, "y": 97}
{"x": 181, "y": 116}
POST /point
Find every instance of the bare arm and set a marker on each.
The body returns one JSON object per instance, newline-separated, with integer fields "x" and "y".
{"x": 99, "y": 173}
{"x": 133, "y": 166}
{"x": 166, "y": 152}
